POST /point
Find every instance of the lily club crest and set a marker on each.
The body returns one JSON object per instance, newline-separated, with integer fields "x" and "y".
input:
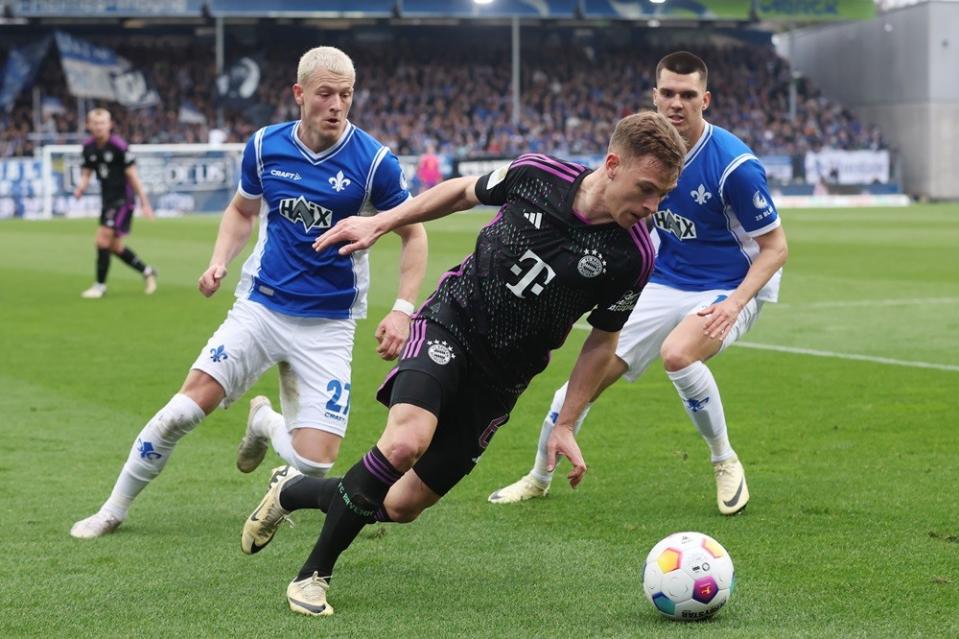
{"x": 701, "y": 195}
{"x": 339, "y": 182}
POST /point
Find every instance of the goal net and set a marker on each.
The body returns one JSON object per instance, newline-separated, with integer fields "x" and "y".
{"x": 179, "y": 178}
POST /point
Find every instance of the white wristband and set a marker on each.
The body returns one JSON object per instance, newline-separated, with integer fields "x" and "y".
{"x": 404, "y": 307}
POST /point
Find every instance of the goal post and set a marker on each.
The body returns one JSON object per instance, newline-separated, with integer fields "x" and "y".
{"x": 179, "y": 178}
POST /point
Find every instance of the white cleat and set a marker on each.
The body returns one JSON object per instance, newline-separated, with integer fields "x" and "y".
{"x": 308, "y": 596}
{"x": 149, "y": 280}
{"x": 96, "y": 525}
{"x": 528, "y": 487}
{"x": 262, "y": 524}
{"x": 732, "y": 494}
{"x": 252, "y": 448}
{"x": 95, "y": 292}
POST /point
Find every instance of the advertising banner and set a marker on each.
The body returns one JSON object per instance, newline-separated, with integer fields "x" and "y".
{"x": 21, "y": 188}
{"x": 87, "y": 8}
{"x": 814, "y": 10}
{"x": 779, "y": 168}
{"x": 847, "y": 167}
{"x": 180, "y": 178}
{"x": 675, "y": 9}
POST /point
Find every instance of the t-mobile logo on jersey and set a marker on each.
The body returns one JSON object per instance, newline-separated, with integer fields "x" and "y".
{"x": 528, "y": 282}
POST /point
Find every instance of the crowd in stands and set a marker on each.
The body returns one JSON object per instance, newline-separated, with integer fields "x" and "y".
{"x": 458, "y": 102}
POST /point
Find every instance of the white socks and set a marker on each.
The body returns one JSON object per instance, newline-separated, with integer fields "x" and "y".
{"x": 697, "y": 388}
{"x": 271, "y": 424}
{"x": 539, "y": 471}
{"x": 151, "y": 450}
{"x": 309, "y": 467}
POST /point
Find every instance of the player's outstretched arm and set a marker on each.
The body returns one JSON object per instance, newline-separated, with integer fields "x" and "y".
{"x": 394, "y": 330}
{"x": 236, "y": 226}
{"x": 85, "y": 175}
{"x": 357, "y": 233}
{"x": 584, "y": 382}
{"x": 133, "y": 177}
{"x": 772, "y": 255}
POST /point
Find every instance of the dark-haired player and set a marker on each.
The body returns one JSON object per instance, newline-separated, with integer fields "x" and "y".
{"x": 721, "y": 252}
{"x": 109, "y": 156}
{"x": 567, "y": 240}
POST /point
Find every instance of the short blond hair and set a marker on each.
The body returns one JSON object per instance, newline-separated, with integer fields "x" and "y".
{"x": 92, "y": 113}
{"x": 649, "y": 133}
{"x": 329, "y": 58}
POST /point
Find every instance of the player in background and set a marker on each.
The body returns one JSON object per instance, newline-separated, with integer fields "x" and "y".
{"x": 567, "y": 240}
{"x": 720, "y": 257}
{"x": 109, "y": 155}
{"x": 295, "y": 307}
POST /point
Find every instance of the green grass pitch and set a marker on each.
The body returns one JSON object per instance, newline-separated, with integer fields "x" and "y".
{"x": 842, "y": 404}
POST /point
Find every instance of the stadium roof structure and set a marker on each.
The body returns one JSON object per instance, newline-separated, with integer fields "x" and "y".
{"x": 740, "y": 11}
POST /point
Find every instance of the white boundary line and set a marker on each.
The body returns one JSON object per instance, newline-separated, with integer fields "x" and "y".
{"x": 870, "y": 303}
{"x": 852, "y": 356}
{"x": 816, "y": 353}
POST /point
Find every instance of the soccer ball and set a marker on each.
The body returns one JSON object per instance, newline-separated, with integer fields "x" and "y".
{"x": 688, "y": 576}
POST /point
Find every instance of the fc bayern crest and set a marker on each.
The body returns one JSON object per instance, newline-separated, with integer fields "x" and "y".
{"x": 440, "y": 352}
{"x": 592, "y": 264}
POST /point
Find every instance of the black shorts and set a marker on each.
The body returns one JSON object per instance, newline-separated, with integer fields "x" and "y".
{"x": 117, "y": 214}
{"x": 435, "y": 374}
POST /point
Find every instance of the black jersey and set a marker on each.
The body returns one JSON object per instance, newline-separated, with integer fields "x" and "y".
{"x": 110, "y": 162}
{"x": 538, "y": 266}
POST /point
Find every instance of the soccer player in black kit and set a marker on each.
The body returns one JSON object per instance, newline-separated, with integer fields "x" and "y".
{"x": 567, "y": 240}
{"x": 109, "y": 156}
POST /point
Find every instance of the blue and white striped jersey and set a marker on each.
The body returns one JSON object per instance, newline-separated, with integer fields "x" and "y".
{"x": 706, "y": 225}
{"x": 304, "y": 194}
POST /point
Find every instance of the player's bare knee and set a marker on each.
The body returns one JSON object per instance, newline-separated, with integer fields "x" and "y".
{"x": 315, "y": 450}
{"x": 402, "y": 454}
{"x": 675, "y": 357}
{"x": 203, "y": 389}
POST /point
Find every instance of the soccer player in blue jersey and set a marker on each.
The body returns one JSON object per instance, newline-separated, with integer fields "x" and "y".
{"x": 566, "y": 241}
{"x": 295, "y": 307}
{"x": 721, "y": 252}
{"x": 109, "y": 156}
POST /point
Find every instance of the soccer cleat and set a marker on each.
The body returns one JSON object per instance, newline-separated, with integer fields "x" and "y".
{"x": 732, "y": 494}
{"x": 150, "y": 280}
{"x": 95, "y": 292}
{"x": 308, "y": 596}
{"x": 96, "y": 525}
{"x": 528, "y": 487}
{"x": 252, "y": 448}
{"x": 261, "y": 525}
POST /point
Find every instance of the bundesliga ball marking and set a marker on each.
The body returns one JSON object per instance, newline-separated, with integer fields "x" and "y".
{"x": 688, "y": 576}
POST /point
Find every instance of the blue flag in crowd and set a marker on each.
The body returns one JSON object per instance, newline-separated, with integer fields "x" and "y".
{"x": 20, "y": 70}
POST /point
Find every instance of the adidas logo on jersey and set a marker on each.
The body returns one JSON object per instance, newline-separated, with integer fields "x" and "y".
{"x": 310, "y": 214}
{"x": 535, "y": 218}
{"x": 683, "y": 228}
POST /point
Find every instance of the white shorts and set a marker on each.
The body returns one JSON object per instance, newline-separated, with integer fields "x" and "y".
{"x": 314, "y": 355}
{"x": 658, "y": 311}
